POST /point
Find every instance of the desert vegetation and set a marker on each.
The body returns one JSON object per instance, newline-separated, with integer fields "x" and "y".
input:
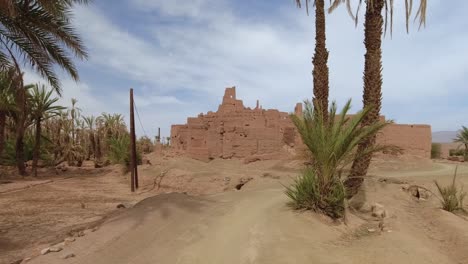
{"x": 324, "y": 189}
{"x": 33, "y": 126}
{"x": 56, "y": 134}
{"x": 451, "y": 196}
{"x": 332, "y": 146}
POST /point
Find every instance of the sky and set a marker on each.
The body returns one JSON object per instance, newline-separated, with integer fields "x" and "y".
{"x": 180, "y": 55}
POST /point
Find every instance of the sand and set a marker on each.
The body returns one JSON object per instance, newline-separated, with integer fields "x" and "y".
{"x": 215, "y": 223}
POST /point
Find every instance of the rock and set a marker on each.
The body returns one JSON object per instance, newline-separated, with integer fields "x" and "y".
{"x": 227, "y": 179}
{"x": 45, "y": 251}
{"x": 269, "y": 175}
{"x": 418, "y": 192}
{"x": 55, "y": 249}
{"x": 392, "y": 181}
{"x": 78, "y": 234}
{"x": 25, "y": 260}
{"x": 19, "y": 261}
{"x": 119, "y": 206}
{"x": 378, "y": 210}
{"x": 59, "y": 245}
{"x": 88, "y": 231}
{"x": 69, "y": 255}
{"x": 251, "y": 159}
{"x": 69, "y": 239}
{"x": 371, "y": 230}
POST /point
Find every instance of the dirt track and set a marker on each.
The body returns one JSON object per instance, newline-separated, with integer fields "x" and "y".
{"x": 254, "y": 225}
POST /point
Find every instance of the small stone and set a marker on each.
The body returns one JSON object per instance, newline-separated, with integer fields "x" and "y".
{"x": 119, "y": 206}
{"x": 378, "y": 211}
{"x": 69, "y": 239}
{"x": 55, "y": 249}
{"x": 25, "y": 260}
{"x": 389, "y": 231}
{"x": 60, "y": 245}
{"x": 67, "y": 256}
{"x": 371, "y": 230}
{"x": 79, "y": 234}
{"x": 45, "y": 251}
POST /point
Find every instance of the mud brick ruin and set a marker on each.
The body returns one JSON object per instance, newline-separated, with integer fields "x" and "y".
{"x": 235, "y": 131}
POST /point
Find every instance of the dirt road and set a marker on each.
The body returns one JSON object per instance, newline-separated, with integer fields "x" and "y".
{"x": 254, "y": 225}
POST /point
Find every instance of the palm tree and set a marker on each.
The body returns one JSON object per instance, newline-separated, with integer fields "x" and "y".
{"x": 40, "y": 33}
{"x": 74, "y": 112}
{"x": 7, "y": 102}
{"x": 331, "y": 145}
{"x": 42, "y": 106}
{"x": 462, "y": 137}
{"x": 374, "y": 26}
{"x": 90, "y": 121}
{"x": 320, "y": 59}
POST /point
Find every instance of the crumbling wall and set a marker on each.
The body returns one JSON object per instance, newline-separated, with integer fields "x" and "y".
{"x": 415, "y": 140}
{"x": 235, "y": 131}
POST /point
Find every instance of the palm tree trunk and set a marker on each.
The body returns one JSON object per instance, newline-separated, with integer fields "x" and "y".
{"x": 21, "y": 104}
{"x": 320, "y": 71}
{"x": 2, "y": 131}
{"x": 92, "y": 144}
{"x": 372, "y": 96}
{"x": 37, "y": 147}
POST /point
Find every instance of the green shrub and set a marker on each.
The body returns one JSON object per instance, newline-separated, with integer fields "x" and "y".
{"x": 145, "y": 144}
{"x": 9, "y": 153}
{"x": 436, "y": 150}
{"x": 456, "y": 152}
{"x": 331, "y": 146}
{"x": 309, "y": 193}
{"x": 452, "y": 197}
{"x": 119, "y": 151}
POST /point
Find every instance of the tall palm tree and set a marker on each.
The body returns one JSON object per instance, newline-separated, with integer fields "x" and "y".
{"x": 462, "y": 137}
{"x": 40, "y": 32}
{"x": 7, "y": 103}
{"x": 42, "y": 107}
{"x": 89, "y": 121}
{"x": 320, "y": 59}
{"x": 374, "y": 27}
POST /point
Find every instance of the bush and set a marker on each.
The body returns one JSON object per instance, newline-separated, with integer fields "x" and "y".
{"x": 309, "y": 193}
{"x": 456, "y": 152}
{"x": 145, "y": 145}
{"x": 331, "y": 146}
{"x": 436, "y": 150}
{"x": 119, "y": 151}
{"x": 452, "y": 197}
{"x": 9, "y": 153}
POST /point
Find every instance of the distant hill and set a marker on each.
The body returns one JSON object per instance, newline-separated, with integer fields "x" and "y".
{"x": 443, "y": 136}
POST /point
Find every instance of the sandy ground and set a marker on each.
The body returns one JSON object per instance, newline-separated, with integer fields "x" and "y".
{"x": 214, "y": 223}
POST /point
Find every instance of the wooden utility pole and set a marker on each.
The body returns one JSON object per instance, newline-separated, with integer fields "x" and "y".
{"x": 159, "y": 135}
{"x": 133, "y": 157}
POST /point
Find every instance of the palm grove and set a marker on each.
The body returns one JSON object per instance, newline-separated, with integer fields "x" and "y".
{"x": 39, "y": 34}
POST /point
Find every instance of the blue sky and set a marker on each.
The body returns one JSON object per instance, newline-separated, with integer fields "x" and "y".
{"x": 179, "y": 56}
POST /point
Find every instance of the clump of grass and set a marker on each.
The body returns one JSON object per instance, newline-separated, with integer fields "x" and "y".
{"x": 119, "y": 151}
{"x": 452, "y": 197}
{"x": 308, "y": 192}
{"x": 331, "y": 145}
{"x": 436, "y": 150}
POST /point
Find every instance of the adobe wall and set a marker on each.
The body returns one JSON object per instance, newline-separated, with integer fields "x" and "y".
{"x": 235, "y": 131}
{"x": 415, "y": 140}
